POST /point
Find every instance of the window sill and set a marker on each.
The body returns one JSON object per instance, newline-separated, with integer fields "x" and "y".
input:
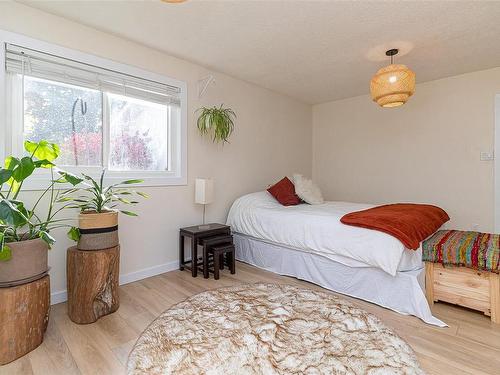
{"x": 37, "y": 183}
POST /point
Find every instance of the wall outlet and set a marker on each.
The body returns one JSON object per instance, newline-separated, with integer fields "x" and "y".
{"x": 486, "y": 156}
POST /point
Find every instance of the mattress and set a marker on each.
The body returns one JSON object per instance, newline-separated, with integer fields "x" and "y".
{"x": 317, "y": 229}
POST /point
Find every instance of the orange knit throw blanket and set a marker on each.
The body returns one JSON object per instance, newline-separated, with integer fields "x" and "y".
{"x": 408, "y": 222}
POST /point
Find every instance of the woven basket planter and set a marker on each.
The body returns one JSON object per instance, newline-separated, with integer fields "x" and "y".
{"x": 98, "y": 230}
{"x": 29, "y": 262}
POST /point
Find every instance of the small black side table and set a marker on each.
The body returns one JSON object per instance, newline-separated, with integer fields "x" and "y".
{"x": 195, "y": 233}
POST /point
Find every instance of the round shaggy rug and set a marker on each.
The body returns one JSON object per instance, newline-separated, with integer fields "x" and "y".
{"x": 269, "y": 329}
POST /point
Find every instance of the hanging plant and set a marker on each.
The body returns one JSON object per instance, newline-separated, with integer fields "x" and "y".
{"x": 217, "y": 121}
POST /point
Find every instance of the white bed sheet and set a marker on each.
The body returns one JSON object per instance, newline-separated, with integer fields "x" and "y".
{"x": 403, "y": 293}
{"x": 317, "y": 229}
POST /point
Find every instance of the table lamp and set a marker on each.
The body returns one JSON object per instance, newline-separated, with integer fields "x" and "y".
{"x": 204, "y": 194}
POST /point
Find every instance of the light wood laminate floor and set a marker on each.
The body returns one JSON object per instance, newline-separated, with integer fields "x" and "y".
{"x": 471, "y": 344}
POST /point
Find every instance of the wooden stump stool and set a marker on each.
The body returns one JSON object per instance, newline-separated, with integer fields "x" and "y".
{"x": 92, "y": 283}
{"x": 24, "y": 315}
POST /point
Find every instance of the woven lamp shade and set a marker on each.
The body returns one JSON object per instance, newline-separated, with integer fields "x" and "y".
{"x": 392, "y": 85}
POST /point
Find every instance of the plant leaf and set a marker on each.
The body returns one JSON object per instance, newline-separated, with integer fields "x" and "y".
{"x": 69, "y": 177}
{"x": 10, "y": 214}
{"x": 24, "y": 169}
{"x": 47, "y": 238}
{"x": 20, "y": 207}
{"x": 43, "y": 164}
{"x": 123, "y": 192}
{"x": 74, "y": 234}
{"x": 69, "y": 191}
{"x": 129, "y": 213}
{"x": 101, "y": 181}
{"x": 5, "y": 253}
{"x": 5, "y": 175}
{"x": 128, "y": 182}
{"x": 11, "y": 162}
{"x": 75, "y": 206}
{"x": 96, "y": 186}
{"x": 42, "y": 150}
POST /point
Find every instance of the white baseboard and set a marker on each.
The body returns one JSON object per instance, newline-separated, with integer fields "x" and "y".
{"x": 148, "y": 272}
{"x": 62, "y": 295}
{"x": 58, "y": 297}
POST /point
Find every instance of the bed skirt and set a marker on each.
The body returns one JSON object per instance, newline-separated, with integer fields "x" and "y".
{"x": 403, "y": 293}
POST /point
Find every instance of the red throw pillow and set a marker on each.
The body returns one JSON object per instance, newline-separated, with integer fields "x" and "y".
{"x": 284, "y": 192}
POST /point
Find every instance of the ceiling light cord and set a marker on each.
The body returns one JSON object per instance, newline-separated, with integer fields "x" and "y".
{"x": 391, "y": 53}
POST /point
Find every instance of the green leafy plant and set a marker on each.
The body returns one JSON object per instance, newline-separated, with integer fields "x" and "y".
{"x": 96, "y": 197}
{"x": 17, "y": 222}
{"x": 216, "y": 120}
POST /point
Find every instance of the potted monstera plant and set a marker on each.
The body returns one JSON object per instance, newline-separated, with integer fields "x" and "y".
{"x": 24, "y": 231}
{"x": 99, "y": 207}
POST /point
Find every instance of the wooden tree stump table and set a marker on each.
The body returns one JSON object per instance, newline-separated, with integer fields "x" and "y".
{"x": 24, "y": 315}
{"x": 92, "y": 277}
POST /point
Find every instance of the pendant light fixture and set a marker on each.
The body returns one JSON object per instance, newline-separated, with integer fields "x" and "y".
{"x": 392, "y": 85}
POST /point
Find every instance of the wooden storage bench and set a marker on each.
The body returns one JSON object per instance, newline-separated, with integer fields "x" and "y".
{"x": 478, "y": 290}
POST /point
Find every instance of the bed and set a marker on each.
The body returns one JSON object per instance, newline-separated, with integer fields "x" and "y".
{"x": 309, "y": 242}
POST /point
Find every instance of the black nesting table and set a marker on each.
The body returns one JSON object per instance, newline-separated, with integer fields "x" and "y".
{"x": 195, "y": 233}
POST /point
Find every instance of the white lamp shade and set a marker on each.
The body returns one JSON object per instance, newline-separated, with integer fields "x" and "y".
{"x": 204, "y": 191}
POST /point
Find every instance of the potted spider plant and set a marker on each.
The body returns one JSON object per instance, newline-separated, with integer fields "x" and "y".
{"x": 99, "y": 208}
{"x": 217, "y": 121}
{"x": 24, "y": 233}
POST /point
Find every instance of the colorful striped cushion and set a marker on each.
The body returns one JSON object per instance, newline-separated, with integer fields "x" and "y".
{"x": 475, "y": 250}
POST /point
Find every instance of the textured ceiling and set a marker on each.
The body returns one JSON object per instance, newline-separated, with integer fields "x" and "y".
{"x": 315, "y": 51}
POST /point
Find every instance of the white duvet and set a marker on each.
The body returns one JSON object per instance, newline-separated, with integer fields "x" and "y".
{"x": 317, "y": 229}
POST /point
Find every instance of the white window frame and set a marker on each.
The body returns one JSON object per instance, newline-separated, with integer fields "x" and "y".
{"x": 178, "y": 137}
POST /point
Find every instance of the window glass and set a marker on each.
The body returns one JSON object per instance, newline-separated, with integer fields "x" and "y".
{"x": 138, "y": 134}
{"x": 69, "y": 115}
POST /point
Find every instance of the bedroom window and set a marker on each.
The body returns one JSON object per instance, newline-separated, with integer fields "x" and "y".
{"x": 100, "y": 116}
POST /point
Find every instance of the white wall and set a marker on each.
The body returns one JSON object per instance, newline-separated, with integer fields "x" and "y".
{"x": 272, "y": 139}
{"x": 425, "y": 151}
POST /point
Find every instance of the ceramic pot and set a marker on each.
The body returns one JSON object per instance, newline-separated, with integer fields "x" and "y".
{"x": 29, "y": 262}
{"x": 98, "y": 230}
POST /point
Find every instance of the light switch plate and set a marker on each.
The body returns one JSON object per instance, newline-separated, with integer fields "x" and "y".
{"x": 486, "y": 156}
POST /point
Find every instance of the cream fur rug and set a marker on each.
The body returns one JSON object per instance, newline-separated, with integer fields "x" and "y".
{"x": 269, "y": 329}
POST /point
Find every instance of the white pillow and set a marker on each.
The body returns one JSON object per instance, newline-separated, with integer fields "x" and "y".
{"x": 307, "y": 190}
